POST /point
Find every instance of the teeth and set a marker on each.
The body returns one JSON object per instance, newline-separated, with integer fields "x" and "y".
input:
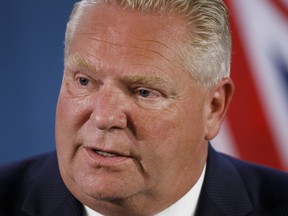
{"x": 105, "y": 154}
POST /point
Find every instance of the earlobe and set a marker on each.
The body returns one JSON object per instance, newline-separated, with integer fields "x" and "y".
{"x": 219, "y": 100}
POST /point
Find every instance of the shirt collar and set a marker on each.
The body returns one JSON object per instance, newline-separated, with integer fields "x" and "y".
{"x": 186, "y": 206}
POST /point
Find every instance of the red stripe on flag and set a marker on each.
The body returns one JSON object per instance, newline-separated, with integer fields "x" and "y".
{"x": 281, "y": 7}
{"x": 246, "y": 116}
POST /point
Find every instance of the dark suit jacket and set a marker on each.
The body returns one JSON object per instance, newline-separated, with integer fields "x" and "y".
{"x": 231, "y": 187}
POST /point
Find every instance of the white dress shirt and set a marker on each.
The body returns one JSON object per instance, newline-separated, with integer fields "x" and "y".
{"x": 186, "y": 206}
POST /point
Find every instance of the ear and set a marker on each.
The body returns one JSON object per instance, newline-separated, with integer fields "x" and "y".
{"x": 218, "y": 102}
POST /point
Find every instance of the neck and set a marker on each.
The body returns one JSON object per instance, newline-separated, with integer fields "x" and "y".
{"x": 139, "y": 206}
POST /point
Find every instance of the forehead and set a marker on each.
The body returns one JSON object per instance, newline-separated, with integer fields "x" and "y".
{"x": 113, "y": 22}
{"x": 117, "y": 39}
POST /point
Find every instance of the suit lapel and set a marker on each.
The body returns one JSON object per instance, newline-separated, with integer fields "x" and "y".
{"x": 223, "y": 192}
{"x": 49, "y": 195}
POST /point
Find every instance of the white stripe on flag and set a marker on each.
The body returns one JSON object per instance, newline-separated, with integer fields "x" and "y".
{"x": 265, "y": 32}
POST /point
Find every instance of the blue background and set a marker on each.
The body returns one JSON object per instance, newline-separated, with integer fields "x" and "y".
{"x": 31, "y": 66}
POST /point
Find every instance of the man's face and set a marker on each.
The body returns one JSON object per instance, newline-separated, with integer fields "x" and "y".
{"x": 130, "y": 122}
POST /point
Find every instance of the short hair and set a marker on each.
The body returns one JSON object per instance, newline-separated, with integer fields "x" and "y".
{"x": 207, "y": 51}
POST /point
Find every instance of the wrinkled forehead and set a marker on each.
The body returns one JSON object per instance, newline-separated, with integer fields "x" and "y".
{"x": 108, "y": 34}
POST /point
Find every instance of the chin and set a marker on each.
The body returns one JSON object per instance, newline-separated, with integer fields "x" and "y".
{"x": 104, "y": 189}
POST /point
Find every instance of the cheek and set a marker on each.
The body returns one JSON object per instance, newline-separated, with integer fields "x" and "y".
{"x": 71, "y": 113}
{"x": 153, "y": 126}
{"x": 158, "y": 134}
{"x": 70, "y": 117}
{"x": 173, "y": 129}
{"x": 173, "y": 121}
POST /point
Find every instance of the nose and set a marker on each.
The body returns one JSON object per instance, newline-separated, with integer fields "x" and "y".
{"x": 109, "y": 110}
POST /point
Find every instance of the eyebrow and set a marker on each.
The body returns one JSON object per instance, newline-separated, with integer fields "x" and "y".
{"x": 147, "y": 80}
{"x": 77, "y": 60}
{"x": 132, "y": 78}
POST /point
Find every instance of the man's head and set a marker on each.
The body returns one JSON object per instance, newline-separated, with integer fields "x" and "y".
{"x": 144, "y": 88}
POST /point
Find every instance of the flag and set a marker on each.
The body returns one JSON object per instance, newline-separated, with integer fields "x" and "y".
{"x": 256, "y": 126}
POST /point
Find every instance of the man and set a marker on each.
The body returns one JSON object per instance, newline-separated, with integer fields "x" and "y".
{"x": 146, "y": 86}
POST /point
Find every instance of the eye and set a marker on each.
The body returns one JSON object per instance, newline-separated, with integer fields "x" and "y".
{"x": 83, "y": 81}
{"x": 149, "y": 94}
{"x": 144, "y": 93}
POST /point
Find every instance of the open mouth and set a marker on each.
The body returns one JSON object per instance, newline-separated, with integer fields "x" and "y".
{"x": 107, "y": 157}
{"x": 105, "y": 154}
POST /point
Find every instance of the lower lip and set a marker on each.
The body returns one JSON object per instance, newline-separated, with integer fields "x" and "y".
{"x": 106, "y": 161}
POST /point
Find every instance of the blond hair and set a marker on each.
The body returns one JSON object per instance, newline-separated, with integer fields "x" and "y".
{"x": 207, "y": 52}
